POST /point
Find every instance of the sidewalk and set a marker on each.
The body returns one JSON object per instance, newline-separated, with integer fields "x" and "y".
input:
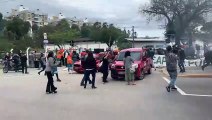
{"x": 193, "y": 72}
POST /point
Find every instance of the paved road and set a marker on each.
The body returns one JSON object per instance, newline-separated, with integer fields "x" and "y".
{"x": 22, "y": 97}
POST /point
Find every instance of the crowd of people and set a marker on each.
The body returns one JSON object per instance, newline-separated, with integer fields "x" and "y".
{"x": 174, "y": 56}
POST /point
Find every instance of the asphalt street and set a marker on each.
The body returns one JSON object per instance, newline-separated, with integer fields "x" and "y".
{"x": 22, "y": 97}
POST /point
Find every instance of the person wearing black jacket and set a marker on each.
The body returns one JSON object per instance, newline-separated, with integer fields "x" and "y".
{"x": 208, "y": 59}
{"x": 83, "y": 58}
{"x": 24, "y": 63}
{"x": 104, "y": 68}
{"x": 90, "y": 68}
{"x": 181, "y": 55}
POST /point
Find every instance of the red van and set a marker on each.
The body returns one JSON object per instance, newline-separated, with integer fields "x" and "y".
{"x": 140, "y": 57}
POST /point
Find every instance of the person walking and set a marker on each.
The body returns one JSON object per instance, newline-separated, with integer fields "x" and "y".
{"x": 69, "y": 63}
{"x": 171, "y": 66}
{"x": 104, "y": 68}
{"x": 208, "y": 59}
{"x": 83, "y": 58}
{"x": 50, "y": 63}
{"x": 43, "y": 63}
{"x": 151, "y": 54}
{"x": 129, "y": 74}
{"x": 181, "y": 61}
{"x": 24, "y": 63}
{"x": 90, "y": 68}
{"x": 54, "y": 69}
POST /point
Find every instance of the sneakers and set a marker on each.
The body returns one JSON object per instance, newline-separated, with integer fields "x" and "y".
{"x": 174, "y": 88}
{"x": 168, "y": 89}
{"x": 58, "y": 80}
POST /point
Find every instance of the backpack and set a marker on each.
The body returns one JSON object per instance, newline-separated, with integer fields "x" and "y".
{"x": 171, "y": 62}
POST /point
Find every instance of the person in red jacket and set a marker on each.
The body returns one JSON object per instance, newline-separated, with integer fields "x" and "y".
{"x": 69, "y": 63}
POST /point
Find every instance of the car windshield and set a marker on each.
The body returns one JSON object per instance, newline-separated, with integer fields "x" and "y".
{"x": 135, "y": 56}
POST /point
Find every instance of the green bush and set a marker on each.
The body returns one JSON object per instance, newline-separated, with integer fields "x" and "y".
{"x": 5, "y": 45}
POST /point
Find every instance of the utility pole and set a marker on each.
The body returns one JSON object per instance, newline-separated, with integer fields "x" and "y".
{"x": 133, "y": 36}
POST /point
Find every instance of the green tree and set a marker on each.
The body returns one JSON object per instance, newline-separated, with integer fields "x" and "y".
{"x": 85, "y": 31}
{"x": 180, "y": 14}
{"x": 35, "y": 28}
{"x": 5, "y": 45}
{"x": 105, "y": 33}
{"x": 1, "y": 22}
{"x": 95, "y": 31}
{"x": 18, "y": 28}
{"x": 75, "y": 27}
{"x": 63, "y": 25}
{"x": 60, "y": 38}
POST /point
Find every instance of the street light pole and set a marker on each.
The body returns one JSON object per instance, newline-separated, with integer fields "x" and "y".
{"x": 133, "y": 36}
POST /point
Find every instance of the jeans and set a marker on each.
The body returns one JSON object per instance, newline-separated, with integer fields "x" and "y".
{"x": 173, "y": 78}
{"x": 69, "y": 67}
{"x": 83, "y": 80}
{"x": 181, "y": 65}
{"x": 87, "y": 74}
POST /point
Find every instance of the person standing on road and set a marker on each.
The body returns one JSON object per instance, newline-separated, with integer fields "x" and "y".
{"x": 83, "y": 58}
{"x": 43, "y": 63}
{"x": 24, "y": 63}
{"x": 129, "y": 75}
{"x": 90, "y": 68}
{"x": 50, "y": 63}
{"x": 171, "y": 66}
{"x": 181, "y": 61}
{"x": 69, "y": 63}
{"x": 151, "y": 54}
{"x": 75, "y": 56}
{"x": 104, "y": 68}
{"x": 66, "y": 53}
{"x": 54, "y": 69}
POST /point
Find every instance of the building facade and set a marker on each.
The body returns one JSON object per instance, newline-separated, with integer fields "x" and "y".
{"x": 33, "y": 17}
{"x": 153, "y": 42}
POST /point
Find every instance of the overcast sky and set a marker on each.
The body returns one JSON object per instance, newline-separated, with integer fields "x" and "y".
{"x": 122, "y": 13}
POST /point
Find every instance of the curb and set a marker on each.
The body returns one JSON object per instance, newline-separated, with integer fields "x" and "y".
{"x": 190, "y": 75}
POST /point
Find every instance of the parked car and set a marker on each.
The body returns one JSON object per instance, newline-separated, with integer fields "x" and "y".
{"x": 140, "y": 57}
{"x": 78, "y": 66}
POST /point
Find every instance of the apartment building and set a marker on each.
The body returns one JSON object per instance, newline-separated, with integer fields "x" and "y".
{"x": 34, "y": 17}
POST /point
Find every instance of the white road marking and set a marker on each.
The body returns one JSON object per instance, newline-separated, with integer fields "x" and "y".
{"x": 178, "y": 89}
{"x": 185, "y": 94}
{"x": 197, "y": 95}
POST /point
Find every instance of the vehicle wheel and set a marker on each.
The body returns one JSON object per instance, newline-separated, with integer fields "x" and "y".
{"x": 5, "y": 69}
{"x": 150, "y": 71}
{"x": 142, "y": 75}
